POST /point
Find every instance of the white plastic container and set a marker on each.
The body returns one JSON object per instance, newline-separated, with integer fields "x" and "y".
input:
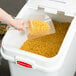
{"x": 23, "y": 63}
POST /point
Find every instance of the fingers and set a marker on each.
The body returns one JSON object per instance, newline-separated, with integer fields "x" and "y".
{"x": 23, "y": 26}
{"x": 20, "y": 24}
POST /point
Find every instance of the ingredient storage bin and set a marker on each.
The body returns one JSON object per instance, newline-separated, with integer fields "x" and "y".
{"x": 23, "y": 63}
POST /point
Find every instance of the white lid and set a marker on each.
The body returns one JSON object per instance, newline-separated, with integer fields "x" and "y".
{"x": 52, "y": 6}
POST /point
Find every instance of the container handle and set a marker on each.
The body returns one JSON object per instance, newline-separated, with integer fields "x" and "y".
{"x": 25, "y": 62}
{"x": 19, "y": 60}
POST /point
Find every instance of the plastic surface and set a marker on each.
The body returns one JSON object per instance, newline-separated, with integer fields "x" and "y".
{"x": 63, "y": 64}
{"x": 52, "y": 6}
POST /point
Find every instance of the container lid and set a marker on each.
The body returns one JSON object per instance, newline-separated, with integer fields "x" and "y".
{"x": 52, "y": 6}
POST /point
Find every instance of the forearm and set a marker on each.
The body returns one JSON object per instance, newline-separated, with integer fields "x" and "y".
{"x": 5, "y": 17}
{"x": 18, "y": 24}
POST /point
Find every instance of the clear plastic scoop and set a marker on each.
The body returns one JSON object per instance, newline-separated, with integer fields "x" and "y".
{"x": 40, "y": 26}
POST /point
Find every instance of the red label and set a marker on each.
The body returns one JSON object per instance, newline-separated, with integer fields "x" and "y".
{"x": 24, "y": 64}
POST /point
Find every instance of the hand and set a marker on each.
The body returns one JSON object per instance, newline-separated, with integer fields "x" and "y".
{"x": 18, "y": 24}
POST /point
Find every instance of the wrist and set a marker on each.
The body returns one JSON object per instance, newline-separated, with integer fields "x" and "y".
{"x": 10, "y": 21}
